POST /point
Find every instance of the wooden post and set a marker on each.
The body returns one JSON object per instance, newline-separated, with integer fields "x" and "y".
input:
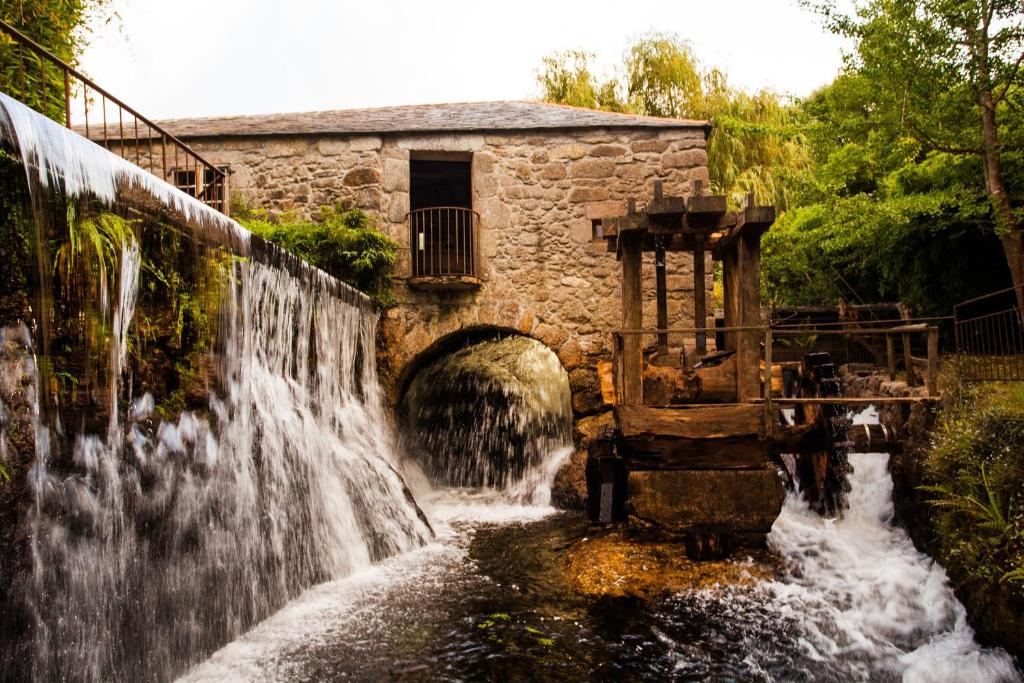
{"x": 731, "y": 290}
{"x": 768, "y": 418}
{"x": 748, "y": 353}
{"x": 661, "y": 287}
{"x": 933, "y": 361}
{"x": 908, "y": 360}
{"x": 632, "y": 319}
{"x": 662, "y": 292}
{"x": 700, "y": 311}
{"x": 890, "y": 355}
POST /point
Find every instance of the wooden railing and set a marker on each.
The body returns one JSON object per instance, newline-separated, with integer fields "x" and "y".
{"x": 753, "y": 372}
{"x": 52, "y": 87}
{"x": 442, "y": 241}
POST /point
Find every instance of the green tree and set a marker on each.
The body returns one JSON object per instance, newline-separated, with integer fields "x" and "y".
{"x": 754, "y": 144}
{"x": 60, "y": 26}
{"x": 878, "y": 215}
{"x": 947, "y": 74}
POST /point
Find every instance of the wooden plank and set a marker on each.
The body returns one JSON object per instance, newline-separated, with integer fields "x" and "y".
{"x": 708, "y": 205}
{"x": 690, "y": 422}
{"x": 853, "y": 401}
{"x": 659, "y": 453}
{"x": 632, "y": 318}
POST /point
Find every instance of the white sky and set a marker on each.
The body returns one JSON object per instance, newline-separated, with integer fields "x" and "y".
{"x": 217, "y": 57}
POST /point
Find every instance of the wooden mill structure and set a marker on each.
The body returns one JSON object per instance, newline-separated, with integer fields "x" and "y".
{"x": 697, "y": 443}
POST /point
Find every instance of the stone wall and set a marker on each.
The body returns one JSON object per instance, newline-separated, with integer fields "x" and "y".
{"x": 537, "y": 194}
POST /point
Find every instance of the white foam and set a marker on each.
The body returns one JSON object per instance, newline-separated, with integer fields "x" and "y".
{"x": 867, "y": 598}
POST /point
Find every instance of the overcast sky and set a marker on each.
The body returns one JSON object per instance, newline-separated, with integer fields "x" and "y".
{"x": 219, "y": 57}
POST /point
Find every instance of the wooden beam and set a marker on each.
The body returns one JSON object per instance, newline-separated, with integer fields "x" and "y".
{"x": 660, "y": 453}
{"x": 700, "y": 313}
{"x": 662, "y": 292}
{"x": 890, "y": 356}
{"x": 748, "y": 344}
{"x": 632, "y": 318}
{"x": 690, "y": 422}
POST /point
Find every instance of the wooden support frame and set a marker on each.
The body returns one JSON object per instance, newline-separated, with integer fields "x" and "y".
{"x": 632, "y": 318}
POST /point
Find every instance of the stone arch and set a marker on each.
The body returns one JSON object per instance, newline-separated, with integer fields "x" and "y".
{"x": 407, "y": 332}
{"x": 449, "y": 342}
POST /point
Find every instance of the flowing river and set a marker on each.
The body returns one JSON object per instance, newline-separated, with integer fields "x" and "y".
{"x": 488, "y": 599}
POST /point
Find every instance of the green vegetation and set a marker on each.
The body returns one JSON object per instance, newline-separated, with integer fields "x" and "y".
{"x": 343, "y": 242}
{"x": 901, "y": 180}
{"x": 755, "y": 144}
{"x": 91, "y": 254}
{"x": 975, "y": 475}
{"x": 61, "y": 26}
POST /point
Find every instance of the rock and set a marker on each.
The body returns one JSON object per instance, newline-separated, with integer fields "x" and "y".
{"x": 585, "y": 385}
{"x": 569, "y": 489}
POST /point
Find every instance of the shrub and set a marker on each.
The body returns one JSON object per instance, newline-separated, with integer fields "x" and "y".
{"x": 975, "y": 475}
{"x": 343, "y": 242}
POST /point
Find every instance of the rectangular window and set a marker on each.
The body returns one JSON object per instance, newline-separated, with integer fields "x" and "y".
{"x": 441, "y": 218}
{"x": 212, "y": 194}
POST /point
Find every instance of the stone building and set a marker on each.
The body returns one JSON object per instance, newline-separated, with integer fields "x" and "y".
{"x": 528, "y": 182}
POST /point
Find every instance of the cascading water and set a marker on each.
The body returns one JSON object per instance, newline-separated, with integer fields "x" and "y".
{"x": 495, "y": 414}
{"x": 162, "y": 539}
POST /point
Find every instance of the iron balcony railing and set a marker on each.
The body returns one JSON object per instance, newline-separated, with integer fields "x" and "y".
{"x": 52, "y": 87}
{"x": 990, "y": 336}
{"x": 443, "y": 241}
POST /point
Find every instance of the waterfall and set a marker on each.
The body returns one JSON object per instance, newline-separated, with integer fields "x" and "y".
{"x": 871, "y": 607}
{"x": 162, "y": 539}
{"x": 495, "y": 413}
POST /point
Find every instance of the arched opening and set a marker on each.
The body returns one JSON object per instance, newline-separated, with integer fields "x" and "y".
{"x": 487, "y": 407}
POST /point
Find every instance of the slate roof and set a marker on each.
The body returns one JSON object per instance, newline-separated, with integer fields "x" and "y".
{"x": 425, "y": 118}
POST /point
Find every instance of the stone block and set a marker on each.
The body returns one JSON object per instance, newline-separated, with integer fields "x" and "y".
{"x": 361, "y": 176}
{"x": 396, "y": 175}
{"x": 333, "y": 146}
{"x": 570, "y": 151}
{"x": 582, "y": 195}
{"x": 656, "y": 146}
{"x": 365, "y": 143}
{"x": 570, "y": 354}
{"x": 747, "y": 502}
{"x": 686, "y": 159}
{"x": 608, "y": 151}
{"x": 591, "y": 168}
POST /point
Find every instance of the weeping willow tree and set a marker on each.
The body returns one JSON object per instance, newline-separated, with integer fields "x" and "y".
{"x": 755, "y": 144}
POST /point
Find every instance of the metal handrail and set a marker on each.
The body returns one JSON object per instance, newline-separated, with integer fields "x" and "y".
{"x": 193, "y": 162}
{"x": 990, "y": 343}
{"x": 442, "y": 241}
